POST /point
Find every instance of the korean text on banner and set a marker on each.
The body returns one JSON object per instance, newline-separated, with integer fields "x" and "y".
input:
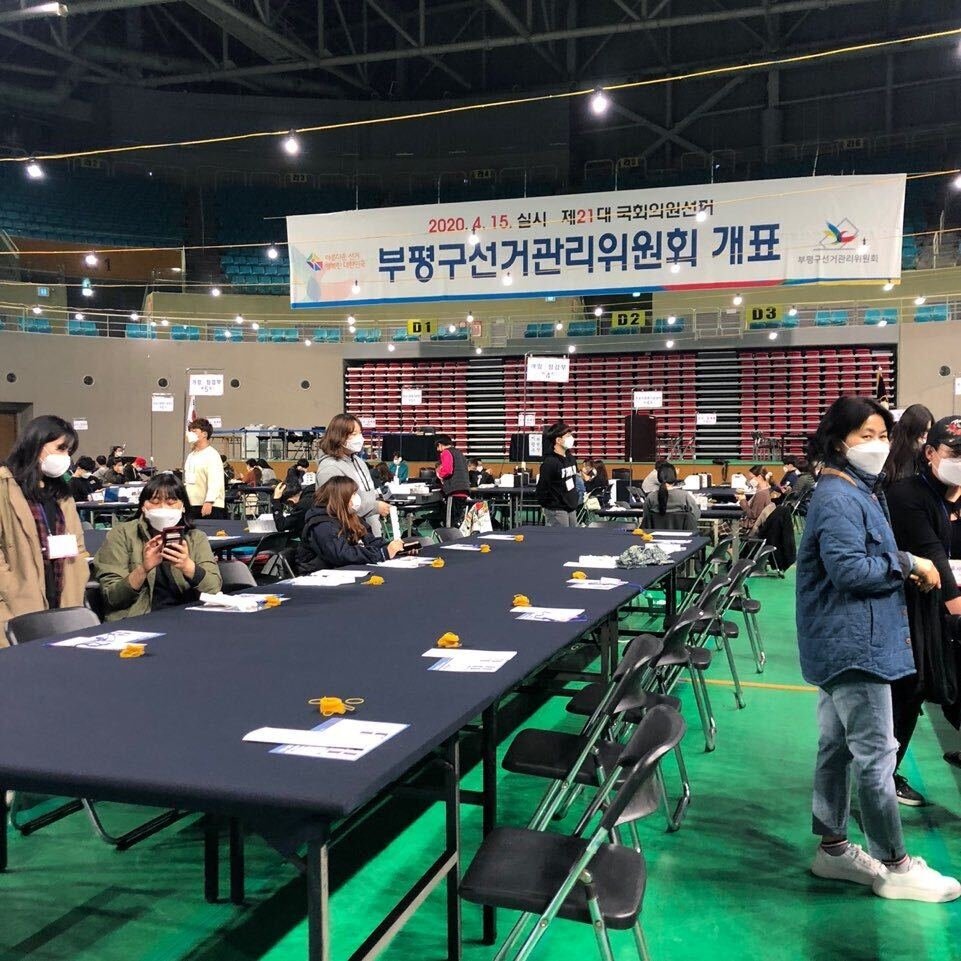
{"x": 648, "y": 399}
{"x": 206, "y": 385}
{"x": 750, "y": 234}
{"x": 705, "y": 419}
{"x": 553, "y": 370}
{"x": 161, "y": 403}
{"x": 411, "y": 396}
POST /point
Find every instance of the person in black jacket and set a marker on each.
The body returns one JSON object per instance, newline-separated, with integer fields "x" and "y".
{"x": 556, "y": 490}
{"x": 333, "y": 534}
{"x": 291, "y": 513}
{"x": 82, "y": 481}
{"x": 921, "y": 508}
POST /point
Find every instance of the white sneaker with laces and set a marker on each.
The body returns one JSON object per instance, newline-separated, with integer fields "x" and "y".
{"x": 854, "y": 865}
{"x": 918, "y": 883}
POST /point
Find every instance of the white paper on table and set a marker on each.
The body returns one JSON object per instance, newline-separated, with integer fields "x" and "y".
{"x": 461, "y": 547}
{"x": 394, "y": 521}
{"x": 607, "y": 561}
{"x": 460, "y": 660}
{"x": 672, "y": 547}
{"x": 559, "y": 614}
{"x": 329, "y": 578}
{"x": 232, "y": 603}
{"x": 671, "y": 535}
{"x": 112, "y": 641}
{"x": 406, "y": 563}
{"x": 498, "y": 537}
{"x": 342, "y": 739}
{"x": 596, "y": 584}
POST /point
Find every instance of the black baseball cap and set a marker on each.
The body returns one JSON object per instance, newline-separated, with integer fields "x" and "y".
{"x": 946, "y": 431}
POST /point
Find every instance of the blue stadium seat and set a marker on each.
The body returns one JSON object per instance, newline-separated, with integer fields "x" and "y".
{"x": 82, "y": 328}
{"x": 368, "y": 335}
{"x": 823, "y": 318}
{"x": 582, "y": 328}
{"x": 278, "y": 335}
{"x": 184, "y": 332}
{"x": 402, "y": 335}
{"x": 620, "y": 331}
{"x": 877, "y": 316}
{"x": 141, "y": 332}
{"x": 228, "y": 335}
{"x": 931, "y": 314}
{"x": 445, "y": 334}
{"x": 35, "y": 325}
{"x": 328, "y": 335}
{"x": 661, "y": 326}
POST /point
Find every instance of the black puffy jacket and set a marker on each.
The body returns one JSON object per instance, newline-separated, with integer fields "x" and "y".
{"x": 323, "y": 545}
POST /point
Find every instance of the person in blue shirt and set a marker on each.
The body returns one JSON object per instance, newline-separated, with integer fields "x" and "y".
{"x": 399, "y": 471}
{"x": 854, "y": 640}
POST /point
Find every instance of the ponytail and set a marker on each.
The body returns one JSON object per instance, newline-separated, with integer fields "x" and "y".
{"x": 666, "y": 475}
{"x": 662, "y": 492}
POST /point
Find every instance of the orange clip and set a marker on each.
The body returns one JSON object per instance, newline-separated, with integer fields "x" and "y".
{"x": 485, "y": 548}
{"x": 272, "y": 600}
{"x": 220, "y": 534}
{"x": 437, "y": 562}
{"x": 640, "y": 532}
{"x": 518, "y": 538}
{"x": 133, "y": 650}
{"x": 521, "y": 600}
{"x": 578, "y": 576}
{"x": 448, "y": 640}
{"x": 328, "y": 706}
{"x": 375, "y": 580}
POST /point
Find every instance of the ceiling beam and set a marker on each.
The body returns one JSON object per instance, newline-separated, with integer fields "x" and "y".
{"x": 60, "y": 54}
{"x": 507, "y": 15}
{"x": 671, "y": 134}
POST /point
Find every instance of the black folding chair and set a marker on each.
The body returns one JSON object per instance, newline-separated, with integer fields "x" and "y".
{"x": 35, "y": 627}
{"x": 446, "y": 535}
{"x": 236, "y": 576}
{"x": 579, "y": 877}
{"x": 270, "y": 562}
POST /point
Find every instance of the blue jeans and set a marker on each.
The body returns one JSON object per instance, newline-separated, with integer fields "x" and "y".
{"x": 856, "y": 729}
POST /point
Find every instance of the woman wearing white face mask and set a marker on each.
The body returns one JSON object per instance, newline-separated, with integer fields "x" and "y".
{"x": 854, "y": 641}
{"x": 140, "y": 569}
{"x": 43, "y": 562}
{"x": 334, "y": 535}
{"x": 921, "y": 508}
{"x": 556, "y": 489}
{"x": 340, "y": 457}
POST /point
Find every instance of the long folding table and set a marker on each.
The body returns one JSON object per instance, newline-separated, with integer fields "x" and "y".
{"x": 212, "y": 677}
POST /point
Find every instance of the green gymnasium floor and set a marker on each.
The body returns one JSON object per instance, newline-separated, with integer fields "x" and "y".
{"x": 733, "y": 883}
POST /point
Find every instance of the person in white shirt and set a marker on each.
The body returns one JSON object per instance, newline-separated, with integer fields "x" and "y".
{"x": 651, "y": 484}
{"x": 203, "y": 472}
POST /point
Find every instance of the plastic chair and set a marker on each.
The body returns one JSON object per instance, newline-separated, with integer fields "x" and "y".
{"x": 445, "y": 535}
{"x": 236, "y": 576}
{"x": 578, "y": 877}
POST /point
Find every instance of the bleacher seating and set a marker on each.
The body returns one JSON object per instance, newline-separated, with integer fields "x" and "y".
{"x": 278, "y": 335}
{"x": 140, "y": 332}
{"x": 368, "y": 335}
{"x": 401, "y": 335}
{"x": 620, "y": 331}
{"x": 662, "y": 326}
{"x": 228, "y": 335}
{"x": 82, "y": 328}
{"x": 932, "y": 313}
{"x": 539, "y": 330}
{"x": 35, "y": 325}
{"x": 830, "y": 318}
{"x": 328, "y": 335}
{"x": 459, "y": 334}
{"x": 879, "y": 316}
{"x": 582, "y": 328}
{"x": 184, "y": 332}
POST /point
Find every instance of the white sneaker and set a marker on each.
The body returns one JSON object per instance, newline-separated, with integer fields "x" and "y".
{"x": 854, "y": 865}
{"x": 918, "y": 883}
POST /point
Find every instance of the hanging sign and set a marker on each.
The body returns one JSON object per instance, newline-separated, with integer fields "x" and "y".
{"x": 206, "y": 385}
{"x": 162, "y": 403}
{"x": 706, "y": 420}
{"x": 368, "y": 423}
{"x": 535, "y": 445}
{"x": 415, "y": 328}
{"x": 648, "y": 399}
{"x": 553, "y": 370}
{"x": 215, "y": 422}
{"x": 79, "y": 425}
{"x": 761, "y": 233}
{"x": 411, "y": 396}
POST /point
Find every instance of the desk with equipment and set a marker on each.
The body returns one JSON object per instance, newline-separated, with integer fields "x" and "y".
{"x": 198, "y": 759}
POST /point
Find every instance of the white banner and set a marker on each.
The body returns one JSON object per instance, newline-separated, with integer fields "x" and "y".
{"x": 206, "y": 385}
{"x": 80, "y": 425}
{"x": 526, "y": 418}
{"x": 216, "y": 422}
{"x": 554, "y": 370}
{"x": 162, "y": 403}
{"x": 535, "y": 445}
{"x": 411, "y": 397}
{"x": 368, "y": 423}
{"x": 706, "y": 420}
{"x": 736, "y": 235}
{"x": 648, "y": 399}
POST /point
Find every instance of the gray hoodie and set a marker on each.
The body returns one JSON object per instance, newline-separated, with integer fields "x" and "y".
{"x": 354, "y": 467}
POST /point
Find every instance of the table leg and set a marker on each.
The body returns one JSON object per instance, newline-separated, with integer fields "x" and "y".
{"x": 670, "y": 596}
{"x": 318, "y": 902}
{"x": 452, "y": 776}
{"x": 211, "y": 859}
{"x": 489, "y": 768}
{"x": 236, "y": 842}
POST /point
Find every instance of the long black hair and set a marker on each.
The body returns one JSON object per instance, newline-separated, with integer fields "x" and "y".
{"x": 845, "y": 415}
{"x": 24, "y": 460}
{"x": 906, "y": 452}
{"x": 666, "y": 475}
{"x": 170, "y": 487}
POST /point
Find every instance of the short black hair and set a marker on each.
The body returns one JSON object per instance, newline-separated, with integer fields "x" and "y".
{"x": 845, "y": 415}
{"x": 170, "y": 486}
{"x": 302, "y": 462}
{"x": 201, "y": 423}
{"x": 101, "y": 460}
{"x": 114, "y": 461}
{"x": 252, "y": 462}
{"x": 444, "y": 439}
{"x": 86, "y": 463}
{"x": 556, "y": 430}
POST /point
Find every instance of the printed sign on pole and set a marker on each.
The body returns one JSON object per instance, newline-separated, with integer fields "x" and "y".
{"x": 957, "y": 386}
{"x": 648, "y": 399}
{"x": 411, "y": 396}
{"x": 79, "y": 425}
{"x": 215, "y": 422}
{"x": 553, "y": 370}
{"x": 706, "y": 420}
{"x": 206, "y": 385}
{"x": 368, "y": 423}
{"x": 526, "y": 418}
{"x": 535, "y": 445}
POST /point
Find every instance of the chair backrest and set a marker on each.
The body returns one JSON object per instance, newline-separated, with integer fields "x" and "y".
{"x": 659, "y": 732}
{"x": 693, "y": 619}
{"x": 445, "y": 535}
{"x": 673, "y": 521}
{"x": 235, "y": 576}
{"x": 93, "y": 598}
{"x": 628, "y": 690}
{"x": 41, "y": 624}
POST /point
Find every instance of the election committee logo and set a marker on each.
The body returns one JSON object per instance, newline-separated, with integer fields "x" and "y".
{"x": 838, "y": 235}
{"x": 315, "y": 263}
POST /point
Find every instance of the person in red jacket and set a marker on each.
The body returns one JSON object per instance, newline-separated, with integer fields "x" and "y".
{"x": 454, "y": 479}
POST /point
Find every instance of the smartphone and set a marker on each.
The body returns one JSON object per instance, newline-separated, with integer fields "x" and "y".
{"x": 172, "y": 535}
{"x": 411, "y": 548}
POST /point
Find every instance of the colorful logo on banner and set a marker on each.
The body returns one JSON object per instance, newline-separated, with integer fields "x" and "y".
{"x": 315, "y": 263}
{"x": 841, "y": 235}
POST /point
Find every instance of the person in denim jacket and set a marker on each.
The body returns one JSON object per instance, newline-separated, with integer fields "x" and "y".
{"x": 853, "y": 637}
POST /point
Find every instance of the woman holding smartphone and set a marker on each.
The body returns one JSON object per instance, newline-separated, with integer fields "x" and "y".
{"x": 158, "y": 559}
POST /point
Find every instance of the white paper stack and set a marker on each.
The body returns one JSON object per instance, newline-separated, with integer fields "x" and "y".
{"x": 596, "y": 584}
{"x": 329, "y": 578}
{"x": 235, "y": 603}
{"x": 607, "y": 561}
{"x": 461, "y": 660}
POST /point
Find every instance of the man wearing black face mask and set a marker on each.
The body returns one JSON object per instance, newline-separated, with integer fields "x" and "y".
{"x": 556, "y": 489}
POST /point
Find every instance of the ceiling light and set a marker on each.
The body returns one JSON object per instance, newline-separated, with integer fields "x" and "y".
{"x": 508, "y": 280}
{"x": 87, "y": 291}
{"x": 701, "y": 216}
{"x": 214, "y": 291}
{"x": 176, "y": 270}
{"x": 792, "y": 312}
{"x": 672, "y": 320}
{"x": 91, "y": 260}
{"x": 272, "y": 253}
{"x": 134, "y": 316}
{"x": 164, "y": 322}
{"x": 470, "y": 317}
{"x": 38, "y": 310}
{"x": 571, "y": 348}
{"x": 957, "y": 183}
{"x": 669, "y": 344}
{"x": 738, "y": 300}
{"x": 78, "y": 316}
{"x": 636, "y": 293}
{"x": 291, "y": 144}
{"x": 918, "y": 301}
{"x": 355, "y": 288}
{"x": 451, "y": 329}
{"x": 239, "y": 319}
{"x": 255, "y": 326}
{"x": 888, "y": 287}
{"x": 391, "y": 348}
{"x": 307, "y": 342}
{"x": 34, "y": 170}
{"x": 599, "y": 102}
{"x": 675, "y": 268}
{"x": 473, "y": 239}
{"x": 351, "y": 319}
{"x": 352, "y": 329}
{"x": 598, "y": 311}
{"x": 153, "y": 323}
{"x": 478, "y": 350}
{"x": 558, "y": 326}
{"x": 228, "y": 334}
{"x": 772, "y": 335}
{"x": 882, "y": 323}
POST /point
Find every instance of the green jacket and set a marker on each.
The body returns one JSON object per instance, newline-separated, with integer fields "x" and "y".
{"x": 122, "y": 552}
